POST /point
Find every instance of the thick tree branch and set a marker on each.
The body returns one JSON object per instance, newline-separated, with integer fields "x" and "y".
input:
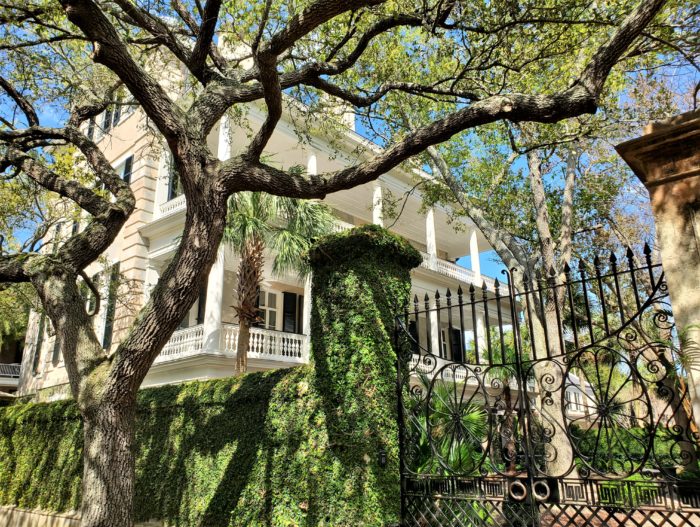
{"x": 567, "y": 206}
{"x": 111, "y": 52}
{"x": 21, "y": 101}
{"x": 202, "y": 46}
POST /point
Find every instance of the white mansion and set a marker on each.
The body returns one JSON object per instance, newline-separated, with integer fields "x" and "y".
{"x": 205, "y": 344}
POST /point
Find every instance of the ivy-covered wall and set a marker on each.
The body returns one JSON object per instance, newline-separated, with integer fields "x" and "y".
{"x": 300, "y": 446}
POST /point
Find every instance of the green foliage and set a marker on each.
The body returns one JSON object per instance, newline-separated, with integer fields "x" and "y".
{"x": 290, "y": 447}
{"x": 288, "y": 226}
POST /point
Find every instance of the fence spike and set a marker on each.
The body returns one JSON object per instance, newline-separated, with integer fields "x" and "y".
{"x": 647, "y": 249}
{"x": 459, "y": 290}
{"x": 613, "y": 258}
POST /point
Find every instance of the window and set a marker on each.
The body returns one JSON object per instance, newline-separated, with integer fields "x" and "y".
{"x": 202, "y": 304}
{"x": 174, "y": 184}
{"x": 292, "y": 312}
{"x": 124, "y": 169}
{"x": 111, "y": 305}
{"x": 267, "y": 309}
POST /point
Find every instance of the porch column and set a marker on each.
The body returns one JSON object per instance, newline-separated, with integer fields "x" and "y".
{"x": 430, "y": 239}
{"x": 667, "y": 160}
{"x": 434, "y": 333}
{"x": 377, "y": 215}
{"x": 480, "y": 341}
{"x": 474, "y": 255}
{"x": 212, "y": 307}
{"x": 306, "y": 319}
{"x": 150, "y": 282}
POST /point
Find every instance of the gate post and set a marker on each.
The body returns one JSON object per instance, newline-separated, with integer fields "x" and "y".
{"x": 667, "y": 160}
{"x": 361, "y": 281}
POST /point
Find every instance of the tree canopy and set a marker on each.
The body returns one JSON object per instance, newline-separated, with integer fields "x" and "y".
{"x": 66, "y": 61}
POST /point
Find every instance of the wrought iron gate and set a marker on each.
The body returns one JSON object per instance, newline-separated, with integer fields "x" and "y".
{"x": 547, "y": 400}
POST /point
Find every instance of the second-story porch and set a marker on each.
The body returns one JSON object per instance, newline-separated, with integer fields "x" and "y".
{"x": 9, "y": 377}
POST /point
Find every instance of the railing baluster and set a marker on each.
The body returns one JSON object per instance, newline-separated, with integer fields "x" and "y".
{"x": 450, "y": 345}
{"x": 487, "y": 328}
{"x": 462, "y": 346}
{"x": 630, "y": 261}
{"x": 428, "y": 324}
{"x": 650, "y": 266}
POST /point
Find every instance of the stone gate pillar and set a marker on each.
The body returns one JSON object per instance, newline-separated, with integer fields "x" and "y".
{"x": 667, "y": 160}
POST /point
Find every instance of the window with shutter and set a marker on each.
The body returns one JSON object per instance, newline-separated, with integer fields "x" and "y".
{"x": 126, "y": 171}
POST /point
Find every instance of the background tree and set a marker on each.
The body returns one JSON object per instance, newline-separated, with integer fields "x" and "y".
{"x": 72, "y": 58}
{"x": 258, "y": 222}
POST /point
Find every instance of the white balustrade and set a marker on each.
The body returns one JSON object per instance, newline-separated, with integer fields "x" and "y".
{"x": 455, "y": 271}
{"x": 172, "y": 206}
{"x": 268, "y": 344}
{"x": 10, "y": 370}
{"x": 183, "y": 342}
{"x": 264, "y": 344}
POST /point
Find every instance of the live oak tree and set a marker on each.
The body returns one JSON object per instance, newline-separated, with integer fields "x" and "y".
{"x": 65, "y": 61}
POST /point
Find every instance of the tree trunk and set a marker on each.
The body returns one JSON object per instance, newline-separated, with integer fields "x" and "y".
{"x": 510, "y": 428}
{"x": 250, "y": 271}
{"x": 242, "y": 346}
{"x": 549, "y": 376}
{"x": 108, "y": 471}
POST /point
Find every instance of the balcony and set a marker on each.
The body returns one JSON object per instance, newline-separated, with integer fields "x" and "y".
{"x": 9, "y": 376}
{"x": 455, "y": 271}
{"x": 266, "y": 346}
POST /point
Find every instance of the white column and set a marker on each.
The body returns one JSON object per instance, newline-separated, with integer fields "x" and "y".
{"x": 377, "y": 215}
{"x": 434, "y": 334}
{"x": 224, "y": 148}
{"x": 212, "y": 308}
{"x": 430, "y": 242}
{"x": 480, "y": 342}
{"x": 311, "y": 165}
{"x": 306, "y": 322}
{"x": 150, "y": 282}
{"x": 474, "y": 254}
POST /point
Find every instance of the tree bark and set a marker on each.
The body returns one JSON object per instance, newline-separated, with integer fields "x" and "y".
{"x": 108, "y": 471}
{"x": 250, "y": 271}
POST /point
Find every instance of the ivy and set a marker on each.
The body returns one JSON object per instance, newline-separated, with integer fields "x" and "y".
{"x": 291, "y": 447}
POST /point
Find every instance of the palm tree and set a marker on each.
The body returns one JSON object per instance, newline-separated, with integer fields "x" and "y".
{"x": 256, "y": 222}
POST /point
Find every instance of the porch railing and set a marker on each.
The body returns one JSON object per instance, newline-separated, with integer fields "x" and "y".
{"x": 172, "y": 206}
{"x": 264, "y": 344}
{"x": 455, "y": 271}
{"x": 184, "y": 341}
{"x": 10, "y": 370}
{"x": 268, "y": 344}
